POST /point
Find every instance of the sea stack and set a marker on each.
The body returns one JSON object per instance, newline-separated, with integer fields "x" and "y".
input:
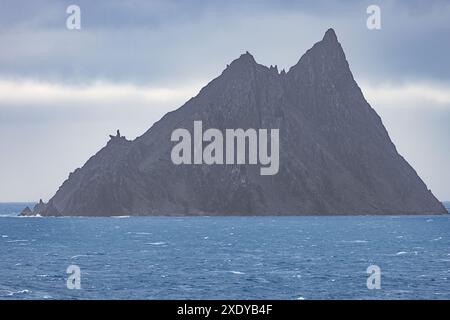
{"x": 27, "y": 212}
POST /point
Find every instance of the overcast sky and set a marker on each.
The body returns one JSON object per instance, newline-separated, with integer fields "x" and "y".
{"x": 63, "y": 91}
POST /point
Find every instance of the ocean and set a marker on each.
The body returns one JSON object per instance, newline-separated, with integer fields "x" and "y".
{"x": 224, "y": 257}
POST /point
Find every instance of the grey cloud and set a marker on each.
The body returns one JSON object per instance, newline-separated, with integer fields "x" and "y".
{"x": 169, "y": 41}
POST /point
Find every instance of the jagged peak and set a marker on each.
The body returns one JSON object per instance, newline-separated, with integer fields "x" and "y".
{"x": 244, "y": 64}
{"x": 244, "y": 59}
{"x": 329, "y": 51}
{"x": 247, "y": 56}
{"x": 117, "y": 137}
{"x": 330, "y": 36}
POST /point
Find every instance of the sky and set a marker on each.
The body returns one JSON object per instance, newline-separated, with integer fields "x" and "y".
{"x": 62, "y": 92}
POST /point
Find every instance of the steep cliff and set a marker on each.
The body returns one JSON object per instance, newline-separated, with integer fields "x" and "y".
{"x": 335, "y": 155}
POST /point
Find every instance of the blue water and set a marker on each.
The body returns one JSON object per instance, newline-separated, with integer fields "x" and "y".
{"x": 224, "y": 257}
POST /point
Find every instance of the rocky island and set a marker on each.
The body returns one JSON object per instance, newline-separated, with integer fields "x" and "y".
{"x": 335, "y": 155}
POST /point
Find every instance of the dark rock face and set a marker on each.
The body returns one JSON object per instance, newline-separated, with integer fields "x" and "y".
{"x": 27, "y": 212}
{"x": 335, "y": 155}
{"x": 39, "y": 208}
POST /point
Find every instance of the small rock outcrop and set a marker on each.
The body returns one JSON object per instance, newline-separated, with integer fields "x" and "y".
{"x": 26, "y": 212}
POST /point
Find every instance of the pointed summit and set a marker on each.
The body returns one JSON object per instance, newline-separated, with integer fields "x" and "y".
{"x": 330, "y": 36}
{"x": 242, "y": 65}
{"x": 245, "y": 58}
{"x": 324, "y": 57}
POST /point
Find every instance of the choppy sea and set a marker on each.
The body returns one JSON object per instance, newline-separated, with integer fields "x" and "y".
{"x": 224, "y": 257}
